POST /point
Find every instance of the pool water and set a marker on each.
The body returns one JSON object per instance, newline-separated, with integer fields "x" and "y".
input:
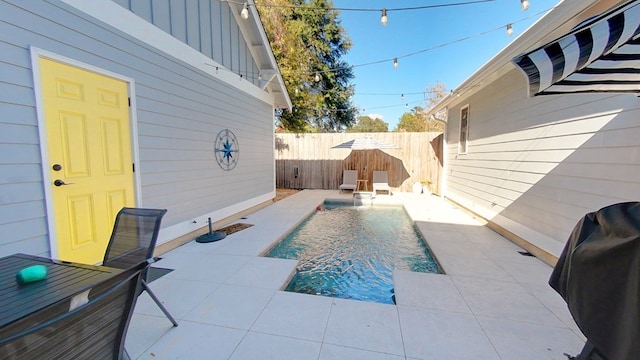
{"x": 350, "y": 252}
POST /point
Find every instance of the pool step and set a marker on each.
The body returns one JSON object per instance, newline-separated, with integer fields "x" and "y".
{"x": 361, "y": 198}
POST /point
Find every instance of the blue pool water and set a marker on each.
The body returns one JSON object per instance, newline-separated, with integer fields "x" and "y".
{"x": 350, "y": 252}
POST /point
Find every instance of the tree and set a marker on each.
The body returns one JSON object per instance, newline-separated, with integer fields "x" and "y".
{"x": 416, "y": 120}
{"x": 433, "y": 96}
{"x": 367, "y": 124}
{"x": 308, "y": 44}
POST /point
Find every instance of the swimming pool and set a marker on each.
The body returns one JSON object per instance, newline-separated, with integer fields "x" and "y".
{"x": 350, "y": 251}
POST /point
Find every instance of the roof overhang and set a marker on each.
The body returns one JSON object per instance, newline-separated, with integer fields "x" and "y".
{"x": 600, "y": 55}
{"x": 557, "y": 22}
{"x": 253, "y": 31}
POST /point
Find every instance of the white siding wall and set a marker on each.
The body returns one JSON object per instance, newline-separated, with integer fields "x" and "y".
{"x": 202, "y": 24}
{"x": 179, "y": 110}
{"x": 536, "y": 166}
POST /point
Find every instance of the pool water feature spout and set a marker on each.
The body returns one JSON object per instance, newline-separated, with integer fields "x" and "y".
{"x": 362, "y": 198}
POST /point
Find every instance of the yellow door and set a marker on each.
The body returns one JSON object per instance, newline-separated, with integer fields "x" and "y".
{"x": 90, "y": 162}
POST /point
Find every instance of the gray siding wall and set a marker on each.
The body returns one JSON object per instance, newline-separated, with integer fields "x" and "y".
{"x": 538, "y": 165}
{"x": 206, "y": 25}
{"x": 179, "y": 112}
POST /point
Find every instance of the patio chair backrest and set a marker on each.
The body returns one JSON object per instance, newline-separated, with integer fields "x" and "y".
{"x": 95, "y": 330}
{"x": 350, "y": 177}
{"x": 380, "y": 177}
{"x": 134, "y": 237}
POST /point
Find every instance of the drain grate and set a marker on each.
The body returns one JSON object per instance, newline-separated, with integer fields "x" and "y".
{"x": 525, "y": 253}
{"x": 230, "y": 229}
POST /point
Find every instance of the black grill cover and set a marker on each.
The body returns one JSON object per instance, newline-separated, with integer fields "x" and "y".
{"x": 598, "y": 275}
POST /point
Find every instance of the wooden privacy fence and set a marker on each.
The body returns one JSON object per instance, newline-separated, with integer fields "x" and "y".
{"x": 309, "y": 161}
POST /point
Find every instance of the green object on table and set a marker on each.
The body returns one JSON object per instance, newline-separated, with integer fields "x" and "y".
{"x": 31, "y": 274}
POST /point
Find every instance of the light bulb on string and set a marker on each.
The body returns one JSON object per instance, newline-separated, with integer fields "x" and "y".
{"x": 317, "y": 78}
{"x": 402, "y": 97}
{"x": 509, "y": 29}
{"x": 384, "y": 19}
{"x": 395, "y": 63}
{"x": 525, "y": 4}
{"x": 245, "y": 11}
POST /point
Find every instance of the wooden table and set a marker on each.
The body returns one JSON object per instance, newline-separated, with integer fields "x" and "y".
{"x": 358, "y": 182}
{"x": 66, "y": 285}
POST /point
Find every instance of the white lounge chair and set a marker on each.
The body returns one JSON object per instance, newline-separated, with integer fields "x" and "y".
{"x": 381, "y": 182}
{"x": 349, "y": 180}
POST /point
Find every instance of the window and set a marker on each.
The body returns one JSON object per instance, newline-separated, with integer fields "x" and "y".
{"x": 464, "y": 130}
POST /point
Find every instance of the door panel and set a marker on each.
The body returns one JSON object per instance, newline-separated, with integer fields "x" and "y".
{"x": 88, "y": 136}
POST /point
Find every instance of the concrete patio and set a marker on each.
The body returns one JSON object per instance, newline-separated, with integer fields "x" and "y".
{"x": 493, "y": 302}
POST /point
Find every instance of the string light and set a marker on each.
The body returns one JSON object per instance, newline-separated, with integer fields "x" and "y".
{"x": 509, "y": 29}
{"x": 250, "y": 75}
{"x": 245, "y": 11}
{"x": 402, "y": 97}
{"x": 384, "y": 19}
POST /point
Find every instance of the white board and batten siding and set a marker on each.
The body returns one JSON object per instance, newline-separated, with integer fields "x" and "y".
{"x": 179, "y": 105}
{"x": 535, "y": 166}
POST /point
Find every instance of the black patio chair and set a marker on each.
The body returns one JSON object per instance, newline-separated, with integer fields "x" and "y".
{"x": 94, "y": 330}
{"x": 133, "y": 241}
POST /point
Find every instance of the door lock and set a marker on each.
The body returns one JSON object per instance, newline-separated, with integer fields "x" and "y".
{"x": 59, "y": 182}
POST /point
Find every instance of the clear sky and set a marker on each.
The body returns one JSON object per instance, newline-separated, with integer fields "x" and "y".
{"x": 449, "y": 44}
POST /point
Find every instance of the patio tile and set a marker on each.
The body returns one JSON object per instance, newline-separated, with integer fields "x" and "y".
{"x": 473, "y": 267}
{"x": 335, "y": 352}
{"x": 203, "y": 267}
{"x": 484, "y": 236}
{"x": 443, "y": 236}
{"x": 270, "y": 273}
{"x": 364, "y": 325}
{"x": 267, "y": 347}
{"x": 507, "y": 300}
{"x": 144, "y": 331}
{"x": 527, "y": 270}
{"x": 171, "y": 293}
{"x": 195, "y": 341}
{"x": 432, "y": 291}
{"x": 519, "y": 340}
{"x": 194, "y": 247}
{"x": 555, "y": 303}
{"x": 245, "y": 244}
{"x": 295, "y": 315}
{"x": 232, "y": 306}
{"x": 432, "y": 334}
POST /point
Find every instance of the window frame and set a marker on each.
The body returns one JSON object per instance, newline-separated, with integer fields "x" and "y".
{"x": 463, "y": 134}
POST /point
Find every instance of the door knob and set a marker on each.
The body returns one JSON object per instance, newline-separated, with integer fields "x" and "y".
{"x": 59, "y": 182}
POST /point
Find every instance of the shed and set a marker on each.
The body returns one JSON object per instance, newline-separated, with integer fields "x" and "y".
{"x": 119, "y": 103}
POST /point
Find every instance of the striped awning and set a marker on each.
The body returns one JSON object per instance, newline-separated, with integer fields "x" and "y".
{"x": 600, "y": 55}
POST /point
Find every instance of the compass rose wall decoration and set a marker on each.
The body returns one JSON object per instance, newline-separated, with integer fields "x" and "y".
{"x": 227, "y": 150}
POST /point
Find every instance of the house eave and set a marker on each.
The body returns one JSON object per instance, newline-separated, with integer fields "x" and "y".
{"x": 259, "y": 45}
{"x": 556, "y": 22}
